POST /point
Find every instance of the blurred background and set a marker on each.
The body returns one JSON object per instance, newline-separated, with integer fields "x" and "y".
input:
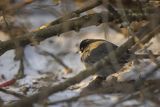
{"x": 66, "y": 46}
{"x": 19, "y": 17}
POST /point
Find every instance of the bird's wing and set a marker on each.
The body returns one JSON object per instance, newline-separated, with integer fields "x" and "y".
{"x": 97, "y": 51}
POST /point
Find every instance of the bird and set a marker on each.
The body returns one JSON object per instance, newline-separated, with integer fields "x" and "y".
{"x": 93, "y": 50}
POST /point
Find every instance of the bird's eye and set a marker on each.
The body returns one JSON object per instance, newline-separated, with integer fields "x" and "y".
{"x": 81, "y": 49}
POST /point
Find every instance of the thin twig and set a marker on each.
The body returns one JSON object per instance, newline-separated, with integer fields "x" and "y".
{"x": 18, "y": 49}
{"x": 18, "y": 95}
{"x": 130, "y": 96}
{"x": 68, "y": 69}
{"x": 12, "y": 9}
{"x": 75, "y": 24}
{"x": 84, "y": 74}
{"x": 140, "y": 81}
{"x": 76, "y": 13}
{"x": 144, "y": 56}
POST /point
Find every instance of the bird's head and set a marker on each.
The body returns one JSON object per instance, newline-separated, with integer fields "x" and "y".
{"x": 86, "y": 42}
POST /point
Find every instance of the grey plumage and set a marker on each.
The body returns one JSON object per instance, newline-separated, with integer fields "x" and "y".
{"x": 94, "y": 50}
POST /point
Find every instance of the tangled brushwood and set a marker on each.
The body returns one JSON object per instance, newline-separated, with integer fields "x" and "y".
{"x": 114, "y": 66}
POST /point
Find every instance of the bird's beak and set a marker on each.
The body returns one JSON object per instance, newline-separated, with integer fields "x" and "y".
{"x": 79, "y": 52}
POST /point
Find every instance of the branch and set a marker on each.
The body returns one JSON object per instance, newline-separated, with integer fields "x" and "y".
{"x": 18, "y": 95}
{"x": 77, "y": 12}
{"x": 28, "y": 101}
{"x": 93, "y": 4}
{"x": 75, "y": 24}
{"x": 139, "y": 83}
{"x": 17, "y": 6}
{"x": 58, "y": 60}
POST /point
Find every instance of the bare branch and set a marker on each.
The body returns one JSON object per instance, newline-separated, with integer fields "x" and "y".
{"x": 76, "y": 13}
{"x": 67, "y": 69}
{"x": 90, "y": 71}
{"x": 13, "y": 8}
{"x": 12, "y": 93}
{"x": 75, "y": 24}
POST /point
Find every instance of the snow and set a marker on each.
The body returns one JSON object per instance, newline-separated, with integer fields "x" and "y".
{"x": 66, "y": 48}
{"x": 72, "y": 59}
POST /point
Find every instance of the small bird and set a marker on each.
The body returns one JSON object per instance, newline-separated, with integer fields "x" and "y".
{"x": 93, "y": 50}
